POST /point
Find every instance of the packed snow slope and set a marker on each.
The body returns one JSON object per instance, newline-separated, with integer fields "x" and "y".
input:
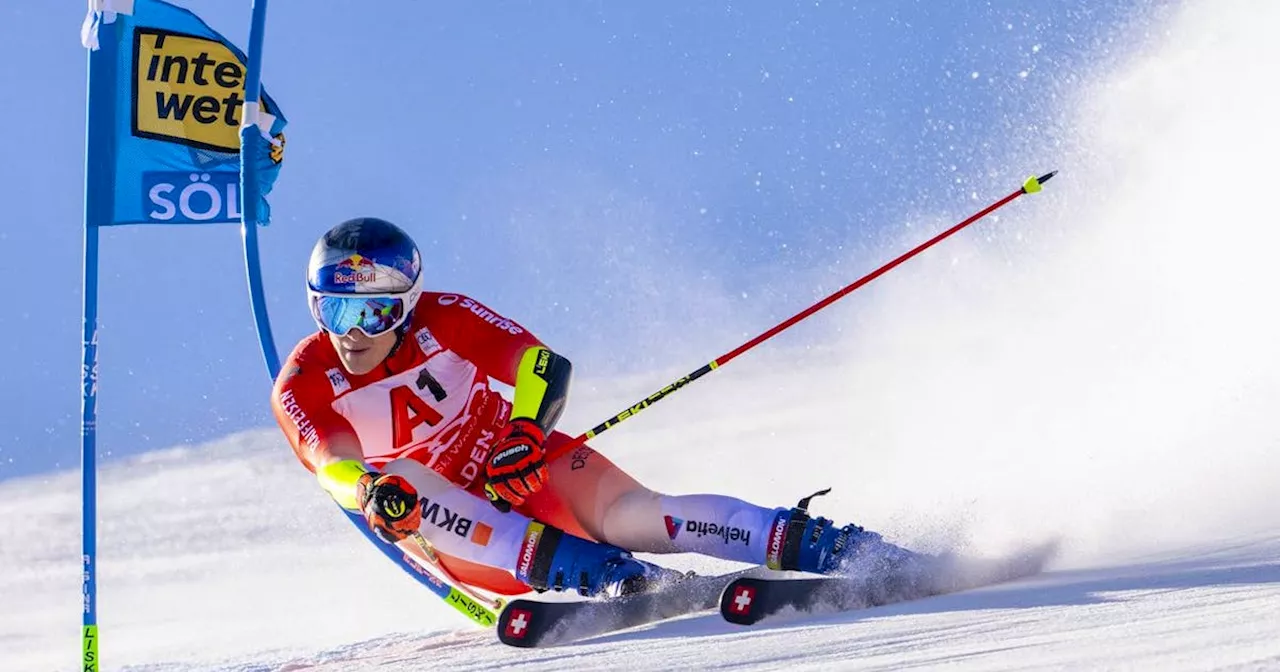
{"x": 1099, "y": 364}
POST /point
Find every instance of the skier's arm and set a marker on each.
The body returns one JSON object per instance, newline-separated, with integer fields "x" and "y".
{"x": 505, "y": 351}
{"x": 541, "y": 387}
{"x": 325, "y": 442}
{"x": 517, "y": 465}
{"x": 322, "y": 439}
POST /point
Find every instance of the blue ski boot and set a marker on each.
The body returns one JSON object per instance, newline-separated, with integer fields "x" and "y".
{"x": 550, "y": 559}
{"x": 800, "y": 543}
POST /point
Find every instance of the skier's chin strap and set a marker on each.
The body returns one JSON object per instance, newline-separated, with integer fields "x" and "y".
{"x": 400, "y": 333}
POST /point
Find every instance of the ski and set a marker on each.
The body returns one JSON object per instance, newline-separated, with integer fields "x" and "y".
{"x": 748, "y": 600}
{"x": 529, "y": 623}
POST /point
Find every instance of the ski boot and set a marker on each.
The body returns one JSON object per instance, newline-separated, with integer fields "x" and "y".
{"x": 800, "y": 543}
{"x": 559, "y": 561}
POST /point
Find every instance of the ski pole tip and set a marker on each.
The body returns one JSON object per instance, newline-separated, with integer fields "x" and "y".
{"x": 1032, "y": 185}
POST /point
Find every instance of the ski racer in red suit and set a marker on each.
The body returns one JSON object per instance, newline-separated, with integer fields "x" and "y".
{"x": 389, "y": 404}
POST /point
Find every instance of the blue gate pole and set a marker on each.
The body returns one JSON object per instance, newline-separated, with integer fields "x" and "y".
{"x": 249, "y": 197}
{"x": 88, "y": 449}
{"x": 249, "y": 200}
{"x": 99, "y": 194}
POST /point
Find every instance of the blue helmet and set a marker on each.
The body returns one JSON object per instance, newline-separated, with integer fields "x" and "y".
{"x": 364, "y": 274}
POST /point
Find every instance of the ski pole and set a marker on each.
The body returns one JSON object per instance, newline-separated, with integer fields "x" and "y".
{"x": 1030, "y": 186}
{"x": 454, "y": 592}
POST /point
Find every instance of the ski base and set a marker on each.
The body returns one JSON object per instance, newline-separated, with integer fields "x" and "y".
{"x": 529, "y": 623}
{"x": 749, "y": 600}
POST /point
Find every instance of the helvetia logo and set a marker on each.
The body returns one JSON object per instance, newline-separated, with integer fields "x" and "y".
{"x": 673, "y": 526}
{"x": 726, "y": 533}
{"x": 187, "y": 89}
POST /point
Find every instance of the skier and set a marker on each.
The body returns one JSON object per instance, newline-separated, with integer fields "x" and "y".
{"x": 389, "y": 404}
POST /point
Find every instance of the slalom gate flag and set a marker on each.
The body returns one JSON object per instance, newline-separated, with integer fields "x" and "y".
{"x": 169, "y": 133}
{"x": 173, "y": 128}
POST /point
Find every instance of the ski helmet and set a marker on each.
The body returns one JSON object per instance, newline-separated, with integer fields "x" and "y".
{"x": 364, "y": 274}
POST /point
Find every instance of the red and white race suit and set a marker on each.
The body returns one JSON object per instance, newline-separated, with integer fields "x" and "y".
{"x": 429, "y": 408}
{"x": 429, "y": 402}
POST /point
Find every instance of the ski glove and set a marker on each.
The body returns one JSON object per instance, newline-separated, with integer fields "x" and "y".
{"x": 517, "y": 466}
{"x": 389, "y": 504}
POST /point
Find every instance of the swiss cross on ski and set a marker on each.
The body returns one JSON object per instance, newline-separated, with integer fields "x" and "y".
{"x": 518, "y": 624}
{"x": 743, "y": 596}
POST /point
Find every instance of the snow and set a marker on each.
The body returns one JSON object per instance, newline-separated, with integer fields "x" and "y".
{"x": 1100, "y": 365}
{"x": 229, "y": 592}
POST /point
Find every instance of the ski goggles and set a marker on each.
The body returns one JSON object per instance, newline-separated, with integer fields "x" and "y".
{"x": 373, "y": 314}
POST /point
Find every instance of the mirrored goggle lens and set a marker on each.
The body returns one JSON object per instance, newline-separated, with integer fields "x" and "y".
{"x": 372, "y": 315}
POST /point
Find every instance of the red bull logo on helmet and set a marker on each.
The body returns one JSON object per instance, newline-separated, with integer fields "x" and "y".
{"x": 355, "y": 269}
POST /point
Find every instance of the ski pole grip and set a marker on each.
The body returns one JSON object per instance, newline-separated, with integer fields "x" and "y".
{"x": 498, "y": 503}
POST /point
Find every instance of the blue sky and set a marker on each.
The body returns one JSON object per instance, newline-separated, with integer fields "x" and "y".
{"x": 582, "y": 167}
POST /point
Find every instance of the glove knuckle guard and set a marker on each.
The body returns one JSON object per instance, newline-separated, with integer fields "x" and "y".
{"x": 390, "y": 505}
{"x": 515, "y": 468}
{"x": 506, "y": 493}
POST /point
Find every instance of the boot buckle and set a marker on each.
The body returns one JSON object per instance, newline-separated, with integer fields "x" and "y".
{"x": 803, "y": 506}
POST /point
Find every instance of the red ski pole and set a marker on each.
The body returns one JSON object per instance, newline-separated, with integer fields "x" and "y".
{"x": 1030, "y": 186}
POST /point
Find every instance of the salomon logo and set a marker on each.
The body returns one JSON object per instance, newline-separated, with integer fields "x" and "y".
{"x": 773, "y": 557}
{"x": 527, "y": 549}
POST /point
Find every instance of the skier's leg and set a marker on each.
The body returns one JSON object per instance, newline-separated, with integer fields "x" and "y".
{"x": 463, "y": 526}
{"x": 587, "y": 490}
